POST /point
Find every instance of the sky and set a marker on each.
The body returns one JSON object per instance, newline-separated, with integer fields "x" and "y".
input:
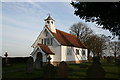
{"x": 22, "y": 22}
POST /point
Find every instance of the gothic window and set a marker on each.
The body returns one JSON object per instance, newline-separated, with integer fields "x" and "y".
{"x": 45, "y": 41}
{"x": 48, "y": 41}
{"x": 46, "y": 33}
{"x": 42, "y": 41}
{"x": 51, "y": 41}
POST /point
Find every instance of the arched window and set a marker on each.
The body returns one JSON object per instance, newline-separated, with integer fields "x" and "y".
{"x": 48, "y": 22}
{"x": 52, "y": 22}
{"x": 46, "y": 33}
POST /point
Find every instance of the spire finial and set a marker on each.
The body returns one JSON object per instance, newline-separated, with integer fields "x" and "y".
{"x": 49, "y": 17}
{"x": 48, "y": 14}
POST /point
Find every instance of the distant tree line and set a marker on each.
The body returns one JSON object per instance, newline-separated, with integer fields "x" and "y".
{"x": 14, "y": 60}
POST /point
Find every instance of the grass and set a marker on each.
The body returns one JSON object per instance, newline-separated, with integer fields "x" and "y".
{"x": 112, "y": 71}
{"x": 79, "y": 70}
{"x": 75, "y": 71}
{"x": 19, "y": 71}
{"x": 14, "y": 67}
{"x": 23, "y": 74}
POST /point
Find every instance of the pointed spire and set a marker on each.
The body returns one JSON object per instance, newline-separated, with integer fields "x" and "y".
{"x": 49, "y": 18}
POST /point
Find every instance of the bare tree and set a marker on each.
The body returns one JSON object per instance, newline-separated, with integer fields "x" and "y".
{"x": 81, "y": 31}
{"x": 96, "y": 44}
{"x": 115, "y": 48}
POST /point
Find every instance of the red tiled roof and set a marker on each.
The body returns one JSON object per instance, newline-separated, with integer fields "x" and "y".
{"x": 46, "y": 49}
{"x": 67, "y": 39}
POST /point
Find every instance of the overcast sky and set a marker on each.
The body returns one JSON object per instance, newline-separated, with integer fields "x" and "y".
{"x": 23, "y": 21}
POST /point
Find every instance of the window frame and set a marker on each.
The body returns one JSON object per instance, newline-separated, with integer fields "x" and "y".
{"x": 48, "y": 41}
{"x": 83, "y": 52}
{"x": 45, "y": 41}
{"x": 77, "y": 52}
{"x": 51, "y": 41}
{"x": 42, "y": 41}
{"x": 46, "y": 33}
{"x": 69, "y": 51}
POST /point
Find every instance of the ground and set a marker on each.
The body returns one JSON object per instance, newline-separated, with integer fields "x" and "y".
{"x": 75, "y": 71}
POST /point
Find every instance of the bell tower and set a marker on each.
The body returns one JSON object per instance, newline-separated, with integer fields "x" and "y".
{"x": 50, "y": 23}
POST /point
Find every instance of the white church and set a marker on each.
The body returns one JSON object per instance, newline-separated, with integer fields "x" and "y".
{"x": 58, "y": 45}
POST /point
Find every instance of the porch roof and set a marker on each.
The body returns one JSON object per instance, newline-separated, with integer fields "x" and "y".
{"x": 46, "y": 49}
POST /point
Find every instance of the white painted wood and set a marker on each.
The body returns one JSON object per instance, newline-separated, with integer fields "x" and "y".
{"x": 51, "y": 25}
{"x": 73, "y": 57}
{"x": 42, "y": 35}
{"x": 59, "y": 50}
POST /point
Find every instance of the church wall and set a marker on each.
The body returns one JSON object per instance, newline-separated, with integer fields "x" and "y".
{"x": 73, "y": 56}
{"x": 55, "y": 48}
{"x": 57, "y": 56}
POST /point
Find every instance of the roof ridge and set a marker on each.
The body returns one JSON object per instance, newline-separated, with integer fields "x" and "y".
{"x": 67, "y": 33}
{"x": 66, "y": 37}
{"x": 63, "y": 31}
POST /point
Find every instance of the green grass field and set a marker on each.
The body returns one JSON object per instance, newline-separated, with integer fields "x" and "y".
{"x": 75, "y": 71}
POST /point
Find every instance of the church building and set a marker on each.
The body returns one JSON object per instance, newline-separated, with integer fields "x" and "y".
{"x": 58, "y": 45}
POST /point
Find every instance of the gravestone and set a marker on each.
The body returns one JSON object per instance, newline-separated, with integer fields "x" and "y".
{"x": 49, "y": 71}
{"x": 38, "y": 62}
{"x": 96, "y": 60}
{"x": 6, "y": 59}
{"x": 49, "y": 58}
{"x": 63, "y": 70}
{"x": 6, "y": 56}
{"x": 118, "y": 61}
{"x": 109, "y": 59}
{"x": 104, "y": 57}
{"x": 95, "y": 70}
{"x": 30, "y": 63}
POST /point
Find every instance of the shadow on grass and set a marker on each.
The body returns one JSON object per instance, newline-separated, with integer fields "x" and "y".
{"x": 23, "y": 74}
{"x": 75, "y": 71}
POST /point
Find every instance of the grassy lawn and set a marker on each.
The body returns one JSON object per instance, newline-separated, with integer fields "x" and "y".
{"x": 79, "y": 70}
{"x": 75, "y": 71}
{"x": 19, "y": 71}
